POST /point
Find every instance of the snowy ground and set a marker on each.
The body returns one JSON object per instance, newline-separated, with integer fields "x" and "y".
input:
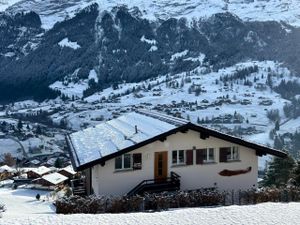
{"x": 23, "y": 209}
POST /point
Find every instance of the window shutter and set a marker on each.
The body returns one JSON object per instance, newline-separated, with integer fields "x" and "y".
{"x": 137, "y": 161}
{"x": 199, "y": 156}
{"x": 189, "y": 157}
{"x": 223, "y": 154}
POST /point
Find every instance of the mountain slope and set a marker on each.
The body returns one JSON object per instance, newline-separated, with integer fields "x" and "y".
{"x": 121, "y": 45}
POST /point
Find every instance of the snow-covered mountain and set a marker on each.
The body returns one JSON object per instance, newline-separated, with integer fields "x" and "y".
{"x": 130, "y": 41}
{"x": 50, "y": 11}
{"x": 248, "y": 10}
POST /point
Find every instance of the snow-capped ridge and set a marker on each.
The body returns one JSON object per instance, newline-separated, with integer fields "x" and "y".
{"x": 263, "y": 10}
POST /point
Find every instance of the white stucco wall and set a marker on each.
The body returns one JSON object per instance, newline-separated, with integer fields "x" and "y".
{"x": 106, "y": 181}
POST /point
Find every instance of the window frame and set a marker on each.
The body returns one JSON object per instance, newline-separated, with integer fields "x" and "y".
{"x": 123, "y": 162}
{"x": 177, "y": 163}
{"x": 207, "y": 159}
{"x": 233, "y": 152}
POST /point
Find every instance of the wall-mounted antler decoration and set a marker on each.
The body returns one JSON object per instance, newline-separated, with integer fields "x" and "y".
{"x": 229, "y": 173}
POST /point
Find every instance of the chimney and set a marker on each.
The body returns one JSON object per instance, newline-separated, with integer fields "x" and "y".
{"x": 136, "y": 130}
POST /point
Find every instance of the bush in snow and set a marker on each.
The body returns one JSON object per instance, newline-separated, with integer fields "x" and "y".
{"x": 153, "y": 201}
{"x": 38, "y": 196}
{"x": 291, "y": 194}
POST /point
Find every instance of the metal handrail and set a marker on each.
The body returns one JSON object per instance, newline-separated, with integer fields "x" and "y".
{"x": 173, "y": 178}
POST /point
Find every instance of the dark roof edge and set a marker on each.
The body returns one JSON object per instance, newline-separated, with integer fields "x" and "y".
{"x": 70, "y": 148}
{"x": 261, "y": 149}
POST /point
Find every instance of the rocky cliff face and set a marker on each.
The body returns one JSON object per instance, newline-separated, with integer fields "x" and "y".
{"x": 120, "y": 44}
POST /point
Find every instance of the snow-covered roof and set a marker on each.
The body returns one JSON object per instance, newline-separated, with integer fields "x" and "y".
{"x": 41, "y": 170}
{"x": 55, "y": 178}
{"x": 69, "y": 169}
{"x": 112, "y": 136}
{"x": 35, "y": 161}
{"x": 7, "y": 169}
{"x": 133, "y": 130}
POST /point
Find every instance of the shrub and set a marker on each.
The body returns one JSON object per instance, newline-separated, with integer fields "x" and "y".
{"x": 153, "y": 201}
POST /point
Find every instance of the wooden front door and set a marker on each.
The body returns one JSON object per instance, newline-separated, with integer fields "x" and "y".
{"x": 161, "y": 165}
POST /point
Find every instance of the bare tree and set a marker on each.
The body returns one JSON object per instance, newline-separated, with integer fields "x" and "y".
{"x": 8, "y": 159}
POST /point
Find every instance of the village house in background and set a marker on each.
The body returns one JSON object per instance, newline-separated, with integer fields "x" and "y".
{"x": 149, "y": 151}
{"x": 51, "y": 180}
{"x": 68, "y": 171}
{"x": 7, "y": 172}
{"x": 34, "y": 173}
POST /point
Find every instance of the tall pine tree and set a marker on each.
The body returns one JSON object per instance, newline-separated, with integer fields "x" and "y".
{"x": 279, "y": 171}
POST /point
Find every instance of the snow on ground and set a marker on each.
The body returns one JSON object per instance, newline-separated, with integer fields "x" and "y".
{"x": 23, "y": 202}
{"x": 93, "y": 75}
{"x": 179, "y": 55}
{"x": 67, "y": 43}
{"x": 10, "y": 146}
{"x": 4, "y": 4}
{"x": 71, "y": 88}
{"x": 24, "y": 209}
{"x": 148, "y": 41}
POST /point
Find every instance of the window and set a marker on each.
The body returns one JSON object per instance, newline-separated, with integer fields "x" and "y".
{"x": 208, "y": 155}
{"x": 137, "y": 161}
{"x": 229, "y": 154}
{"x": 205, "y": 155}
{"x": 128, "y": 161}
{"x": 234, "y": 154}
{"x": 118, "y": 163}
{"x": 178, "y": 157}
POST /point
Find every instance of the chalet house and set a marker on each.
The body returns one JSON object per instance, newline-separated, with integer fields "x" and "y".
{"x": 51, "y": 180}
{"x": 68, "y": 171}
{"x": 7, "y": 172}
{"x": 38, "y": 172}
{"x": 149, "y": 151}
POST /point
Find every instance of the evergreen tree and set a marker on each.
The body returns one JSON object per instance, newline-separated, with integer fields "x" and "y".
{"x": 38, "y": 130}
{"x": 279, "y": 171}
{"x": 277, "y": 125}
{"x": 188, "y": 117}
{"x": 297, "y": 174}
{"x": 58, "y": 163}
{"x": 20, "y": 124}
{"x": 278, "y": 142}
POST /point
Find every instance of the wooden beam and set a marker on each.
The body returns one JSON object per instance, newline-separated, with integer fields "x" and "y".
{"x": 204, "y": 135}
{"x": 163, "y": 139}
{"x": 259, "y": 153}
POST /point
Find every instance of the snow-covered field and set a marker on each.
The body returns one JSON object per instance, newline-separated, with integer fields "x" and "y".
{"x": 23, "y": 209}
